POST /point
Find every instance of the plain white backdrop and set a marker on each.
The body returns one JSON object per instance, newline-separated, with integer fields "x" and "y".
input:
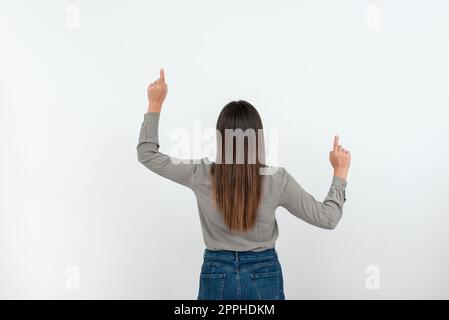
{"x": 80, "y": 217}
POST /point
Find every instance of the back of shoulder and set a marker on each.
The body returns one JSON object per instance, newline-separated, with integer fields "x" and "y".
{"x": 201, "y": 170}
{"x": 277, "y": 176}
{"x": 274, "y": 172}
{"x": 275, "y": 181}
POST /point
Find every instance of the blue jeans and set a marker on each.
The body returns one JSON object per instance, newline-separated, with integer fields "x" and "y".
{"x": 236, "y": 275}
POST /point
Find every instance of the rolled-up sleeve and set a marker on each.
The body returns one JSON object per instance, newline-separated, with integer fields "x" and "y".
{"x": 303, "y": 205}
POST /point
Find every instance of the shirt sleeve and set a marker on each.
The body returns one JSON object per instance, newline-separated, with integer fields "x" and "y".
{"x": 303, "y": 205}
{"x": 176, "y": 169}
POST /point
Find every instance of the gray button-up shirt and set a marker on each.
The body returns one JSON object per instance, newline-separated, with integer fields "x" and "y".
{"x": 279, "y": 189}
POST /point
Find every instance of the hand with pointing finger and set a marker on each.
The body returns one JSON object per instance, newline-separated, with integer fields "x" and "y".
{"x": 157, "y": 91}
{"x": 340, "y": 159}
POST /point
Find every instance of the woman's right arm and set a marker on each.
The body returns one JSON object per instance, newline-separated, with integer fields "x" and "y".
{"x": 176, "y": 169}
{"x": 303, "y": 205}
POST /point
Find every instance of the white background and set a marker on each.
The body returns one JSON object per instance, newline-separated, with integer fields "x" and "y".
{"x": 80, "y": 217}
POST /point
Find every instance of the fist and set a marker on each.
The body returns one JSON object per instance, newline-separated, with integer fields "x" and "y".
{"x": 157, "y": 91}
{"x": 340, "y": 159}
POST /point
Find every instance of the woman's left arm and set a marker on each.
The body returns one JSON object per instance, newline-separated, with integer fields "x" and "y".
{"x": 175, "y": 169}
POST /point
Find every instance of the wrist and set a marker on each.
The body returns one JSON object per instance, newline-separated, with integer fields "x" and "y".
{"x": 154, "y": 107}
{"x": 341, "y": 173}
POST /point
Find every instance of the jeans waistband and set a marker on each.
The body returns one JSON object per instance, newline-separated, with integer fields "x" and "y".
{"x": 240, "y": 255}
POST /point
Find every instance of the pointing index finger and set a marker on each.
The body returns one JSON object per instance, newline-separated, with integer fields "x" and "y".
{"x": 336, "y": 140}
{"x": 162, "y": 75}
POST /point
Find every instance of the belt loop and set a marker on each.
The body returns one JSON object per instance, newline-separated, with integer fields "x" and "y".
{"x": 236, "y": 255}
{"x": 276, "y": 253}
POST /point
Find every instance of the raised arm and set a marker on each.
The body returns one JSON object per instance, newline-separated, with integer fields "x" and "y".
{"x": 303, "y": 205}
{"x": 178, "y": 170}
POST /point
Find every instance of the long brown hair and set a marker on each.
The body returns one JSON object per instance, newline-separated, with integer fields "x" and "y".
{"x": 236, "y": 178}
